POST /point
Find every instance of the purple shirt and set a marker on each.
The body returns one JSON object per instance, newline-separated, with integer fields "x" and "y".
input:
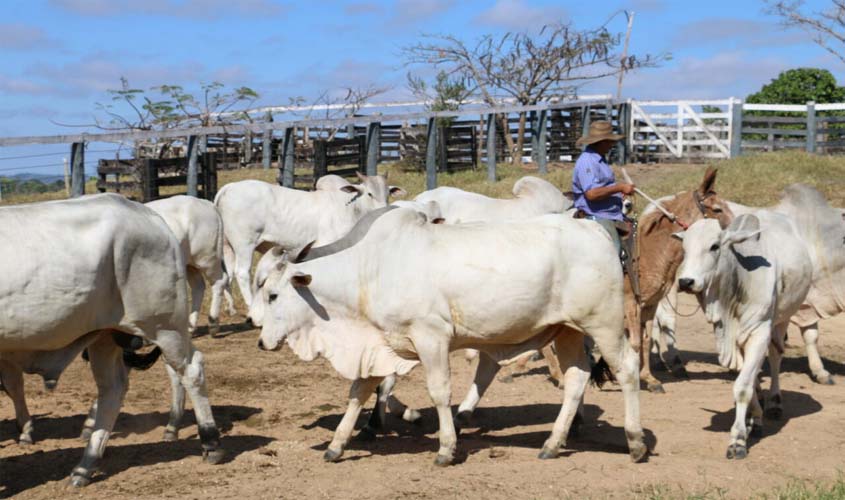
{"x": 592, "y": 171}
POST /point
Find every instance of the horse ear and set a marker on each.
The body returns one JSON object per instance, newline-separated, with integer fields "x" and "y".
{"x": 709, "y": 180}
{"x": 679, "y": 235}
{"x": 397, "y": 192}
{"x": 304, "y": 252}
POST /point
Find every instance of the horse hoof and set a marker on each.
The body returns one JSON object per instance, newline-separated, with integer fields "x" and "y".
{"x": 638, "y": 452}
{"x": 214, "y": 457}
{"x": 79, "y": 481}
{"x": 774, "y": 413}
{"x": 656, "y": 388}
{"x": 86, "y": 434}
{"x": 170, "y": 436}
{"x": 367, "y": 434}
{"x": 442, "y": 460}
{"x": 25, "y": 440}
{"x": 547, "y": 454}
{"x": 331, "y": 455}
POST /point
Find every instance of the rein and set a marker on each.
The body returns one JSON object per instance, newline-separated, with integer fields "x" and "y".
{"x": 677, "y": 313}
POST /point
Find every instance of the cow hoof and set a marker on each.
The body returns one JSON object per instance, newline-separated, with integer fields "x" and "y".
{"x": 823, "y": 379}
{"x": 506, "y": 379}
{"x": 462, "y": 419}
{"x": 680, "y": 372}
{"x": 656, "y": 388}
{"x": 170, "y": 436}
{"x": 86, "y": 434}
{"x": 367, "y": 434}
{"x": 442, "y": 460}
{"x": 213, "y": 457}
{"x": 737, "y": 451}
{"x": 774, "y": 413}
{"x": 25, "y": 440}
{"x": 638, "y": 452}
{"x": 332, "y": 456}
{"x": 547, "y": 454}
{"x": 79, "y": 481}
{"x": 412, "y": 416}
{"x": 50, "y": 384}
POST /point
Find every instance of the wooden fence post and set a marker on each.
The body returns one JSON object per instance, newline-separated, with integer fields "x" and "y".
{"x": 535, "y": 136}
{"x": 149, "y": 180}
{"x": 736, "y": 127}
{"x": 431, "y": 155}
{"x": 321, "y": 160}
{"x": 362, "y": 153}
{"x": 811, "y": 127}
{"x": 77, "y": 169}
{"x": 373, "y": 147}
{"x": 585, "y": 121}
{"x": 209, "y": 176}
{"x": 246, "y": 143}
{"x": 442, "y": 149}
{"x": 267, "y": 144}
{"x": 193, "y": 160}
{"x": 623, "y": 119}
{"x": 286, "y": 159}
{"x": 542, "y": 118}
{"x": 491, "y": 148}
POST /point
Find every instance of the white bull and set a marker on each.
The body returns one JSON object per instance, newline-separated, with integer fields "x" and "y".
{"x": 409, "y": 291}
{"x": 257, "y": 215}
{"x": 199, "y": 230}
{"x": 754, "y": 276}
{"x": 100, "y": 263}
{"x": 532, "y": 196}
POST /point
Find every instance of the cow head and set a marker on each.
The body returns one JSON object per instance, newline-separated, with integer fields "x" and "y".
{"x": 708, "y": 202}
{"x": 266, "y": 265}
{"x": 373, "y": 192}
{"x": 287, "y": 304}
{"x": 704, "y": 243}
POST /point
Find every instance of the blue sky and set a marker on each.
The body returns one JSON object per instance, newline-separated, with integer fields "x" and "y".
{"x": 60, "y": 56}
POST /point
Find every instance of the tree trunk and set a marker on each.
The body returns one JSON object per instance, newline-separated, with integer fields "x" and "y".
{"x": 506, "y": 131}
{"x": 520, "y": 141}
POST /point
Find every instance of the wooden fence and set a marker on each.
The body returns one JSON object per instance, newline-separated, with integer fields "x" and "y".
{"x": 142, "y": 179}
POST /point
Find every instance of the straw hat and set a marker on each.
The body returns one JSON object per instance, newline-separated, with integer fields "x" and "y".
{"x": 600, "y": 130}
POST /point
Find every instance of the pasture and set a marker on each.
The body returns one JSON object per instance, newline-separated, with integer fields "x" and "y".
{"x": 278, "y": 413}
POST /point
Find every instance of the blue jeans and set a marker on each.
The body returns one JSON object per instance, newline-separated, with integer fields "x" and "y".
{"x": 610, "y": 227}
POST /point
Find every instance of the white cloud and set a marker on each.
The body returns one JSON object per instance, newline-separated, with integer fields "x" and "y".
{"x": 202, "y": 9}
{"x": 407, "y": 12}
{"x": 736, "y": 31}
{"x": 518, "y": 15}
{"x": 24, "y": 37}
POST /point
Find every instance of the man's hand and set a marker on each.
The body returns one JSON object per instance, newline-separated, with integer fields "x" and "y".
{"x": 626, "y": 189}
{"x": 602, "y": 193}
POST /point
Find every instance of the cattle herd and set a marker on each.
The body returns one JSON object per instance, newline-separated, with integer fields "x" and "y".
{"x": 377, "y": 288}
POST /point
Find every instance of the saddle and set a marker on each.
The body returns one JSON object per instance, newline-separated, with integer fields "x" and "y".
{"x": 629, "y": 256}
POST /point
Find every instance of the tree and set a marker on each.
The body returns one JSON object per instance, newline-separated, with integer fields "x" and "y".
{"x": 827, "y": 27}
{"x": 527, "y": 67}
{"x": 798, "y": 86}
{"x": 446, "y": 94}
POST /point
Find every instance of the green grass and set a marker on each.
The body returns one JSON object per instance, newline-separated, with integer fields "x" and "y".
{"x": 793, "y": 490}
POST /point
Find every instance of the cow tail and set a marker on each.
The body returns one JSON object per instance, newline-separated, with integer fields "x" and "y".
{"x": 601, "y": 373}
{"x": 141, "y": 361}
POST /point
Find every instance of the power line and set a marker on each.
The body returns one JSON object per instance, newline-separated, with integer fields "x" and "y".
{"x": 49, "y": 165}
{"x": 41, "y": 155}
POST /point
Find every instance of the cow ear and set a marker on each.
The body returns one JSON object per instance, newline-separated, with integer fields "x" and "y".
{"x": 569, "y": 195}
{"x": 351, "y": 188}
{"x": 709, "y": 181}
{"x": 679, "y": 235}
{"x": 361, "y": 176}
{"x": 300, "y": 280}
{"x": 397, "y": 192}
{"x": 304, "y": 252}
{"x": 737, "y": 237}
{"x": 438, "y": 220}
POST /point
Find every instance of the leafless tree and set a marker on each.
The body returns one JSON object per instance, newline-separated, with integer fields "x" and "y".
{"x": 528, "y": 67}
{"x": 826, "y": 26}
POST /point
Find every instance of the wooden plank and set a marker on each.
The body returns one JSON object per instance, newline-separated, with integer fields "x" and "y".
{"x": 797, "y": 120}
{"x": 775, "y": 131}
{"x": 777, "y": 144}
{"x": 77, "y": 169}
{"x": 774, "y": 107}
{"x": 637, "y": 110}
{"x": 119, "y": 185}
{"x": 718, "y": 143}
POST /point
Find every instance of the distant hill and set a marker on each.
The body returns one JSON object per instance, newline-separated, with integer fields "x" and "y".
{"x": 45, "y": 178}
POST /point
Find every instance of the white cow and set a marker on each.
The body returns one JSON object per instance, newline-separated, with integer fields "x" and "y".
{"x": 754, "y": 276}
{"x": 410, "y": 292}
{"x": 257, "y": 215}
{"x": 199, "y": 230}
{"x": 97, "y": 264}
{"x": 822, "y": 229}
{"x": 532, "y": 196}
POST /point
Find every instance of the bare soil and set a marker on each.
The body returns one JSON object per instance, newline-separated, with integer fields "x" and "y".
{"x": 278, "y": 415}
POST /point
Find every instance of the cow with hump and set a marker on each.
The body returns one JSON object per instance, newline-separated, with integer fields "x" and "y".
{"x": 99, "y": 264}
{"x": 751, "y": 277}
{"x": 409, "y": 292}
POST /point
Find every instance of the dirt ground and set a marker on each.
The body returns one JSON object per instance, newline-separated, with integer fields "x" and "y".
{"x": 278, "y": 415}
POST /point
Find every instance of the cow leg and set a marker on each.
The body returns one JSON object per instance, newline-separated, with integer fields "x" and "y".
{"x": 197, "y": 285}
{"x": 774, "y": 403}
{"x": 229, "y": 264}
{"x": 755, "y": 351}
{"x": 756, "y": 420}
{"x": 177, "y": 405}
{"x": 554, "y": 366}
{"x": 377, "y": 417}
{"x": 811, "y": 338}
{"x": 243, "y": 265}
{"x": 663, "y": 335}
{"x": 187, "y": 363}
{"x": 573, "y": 360}
{"x": 112, "y": 381}
{"x": 359, "y": 393}
{"x": 624, "y": 361}
{"x": 11, "y": 379}
{"x": 520, "y": 365}
{"x": 88, "y": 425}
{"x": 485, "y": 372}
{"x": 434, "y": 356}
{"x": 219, "y": 281}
